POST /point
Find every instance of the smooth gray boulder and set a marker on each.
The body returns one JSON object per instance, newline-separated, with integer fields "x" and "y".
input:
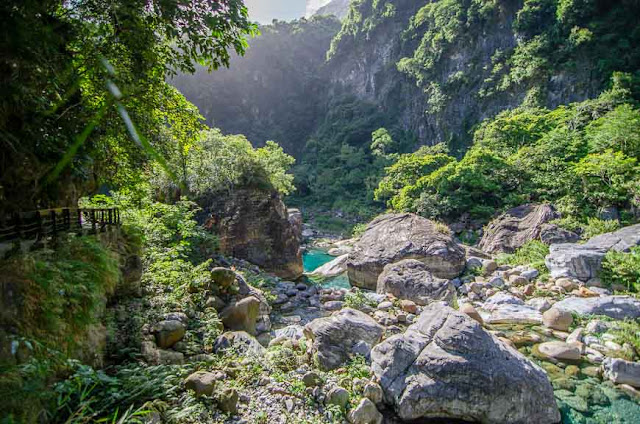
{"x": 337, "y": 338}
{"x": 617, "y": 307}
{"x": 622, "y": 240}
{"x": 515, "y": 227}
{"x": 410, "y": 279}
{"x": 574, "y": 261}
{"x": 446, "y": 366}
{"x": 392, "y": 237}
{"x": 622, "y": 372}
{"x": 584, "y": 261}
{"x": 333, "y": 268}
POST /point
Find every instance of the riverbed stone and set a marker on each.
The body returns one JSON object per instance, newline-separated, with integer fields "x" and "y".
{"x": 446, "y": 366}
{"x": 365, "y": 413}
{"x": 559, "y": 350}
{"x": 333, "y": 268}
{"x": 617, "y": 307}
{"x": 169, "y": 332}
{"x": 392, "y": 237}
{"x": 202, "y": 382}
{"x": 240, "y": 342}
{"x": 337, "y": 338}
{"x": 242, "y": 315}
{"x": 411, "y": 279}
{"x": 621, "y": 371}
{"x": 557, "y": 319}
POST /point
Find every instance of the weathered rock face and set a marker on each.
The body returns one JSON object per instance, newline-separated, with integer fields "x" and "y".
{"x": 342, "y": 335}
{"x": 446, "y": 366}
{"x": 515, "y": 227}
{"x": 584, "y": 261}
{"x": 254, "y": 224}
{"x": 617, "y": 307}
{"x": 392, "y": 237}
{"x": 410, "y": 279}
{"x": 574, "y": 260}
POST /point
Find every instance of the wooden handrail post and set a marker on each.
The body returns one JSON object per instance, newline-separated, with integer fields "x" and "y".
{"x": 93, "y": 221}
{"x": 53, "y": 224}
{"x": 18, "y": 224}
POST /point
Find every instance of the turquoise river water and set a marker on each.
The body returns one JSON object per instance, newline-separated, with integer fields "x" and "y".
{"x": 314, "y": 258}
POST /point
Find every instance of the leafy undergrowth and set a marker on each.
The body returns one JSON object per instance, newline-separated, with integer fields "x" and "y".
{"x": 531, "y": 253}
{"x": 622, "y": 268}
{"x": 57, "y": 301}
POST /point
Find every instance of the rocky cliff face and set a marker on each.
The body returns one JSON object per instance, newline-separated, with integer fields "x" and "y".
{"x": 441, "y": 67}
{"x": 254, "y": 225}
{"x": 337, "y": 8}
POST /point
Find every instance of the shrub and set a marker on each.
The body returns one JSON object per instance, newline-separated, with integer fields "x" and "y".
{"x": 358, "y": 229}
{"x": 356, "y": 299}
{"x": 596, "y": 226}
{"x": 531, "y": 253}
{"x": 622, "y": 268}
{"x": 628, "y": 331}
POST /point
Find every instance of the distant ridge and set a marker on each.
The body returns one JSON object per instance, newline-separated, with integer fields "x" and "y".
{"x": 338, "y": 8}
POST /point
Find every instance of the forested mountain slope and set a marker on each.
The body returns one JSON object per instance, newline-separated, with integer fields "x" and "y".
{"x": 427, "y": 71}
{"x": 275, "y": 91}
{"x": 442, "y": 66}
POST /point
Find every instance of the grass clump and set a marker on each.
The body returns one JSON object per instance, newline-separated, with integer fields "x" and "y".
{"x": 622, "y": 268}
{"x": 628, "y": 331}
{"x": 357, "y": 300}
{"x": 531, "y": 253}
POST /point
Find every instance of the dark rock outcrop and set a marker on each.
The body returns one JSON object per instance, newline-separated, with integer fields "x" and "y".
{"x": 446, "y": 366}
{"x": 392, "y": 237}
{"x": 254, "y": 224}
{"x": 515, "y": 227}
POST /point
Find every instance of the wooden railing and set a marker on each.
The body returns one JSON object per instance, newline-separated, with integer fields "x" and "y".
{"x": 48, "y": 223}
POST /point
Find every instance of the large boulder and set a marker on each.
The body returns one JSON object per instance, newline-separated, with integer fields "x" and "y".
{"x": 584, "y": 261}
{"x": 337, "y": 338}
{"x": 410, "y": 279}
{"x": 241, "y": 315}
{"x": 515, "y": 227}
{"x": 254, "y": 224}
{"x": 574, "y": 261}
{"x": 333, "y": 268}
{"x": 446, "y": 366}
{"x": 616, "y": 307}
{"x": 393, "y": 237}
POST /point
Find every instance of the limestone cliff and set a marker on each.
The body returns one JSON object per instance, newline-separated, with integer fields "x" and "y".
{"x": 440, "y": 67}
{"x": 254, "y": 224}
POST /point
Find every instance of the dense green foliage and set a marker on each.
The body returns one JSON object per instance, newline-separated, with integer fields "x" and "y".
{"x": 84, "y": 92}
{"x": 59, "y": 302}
{"x": 215, "y": 162}
{"x": 563, "y": 156}
{"x": 622, "y": 268}
{"x": 531, "y": 253}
